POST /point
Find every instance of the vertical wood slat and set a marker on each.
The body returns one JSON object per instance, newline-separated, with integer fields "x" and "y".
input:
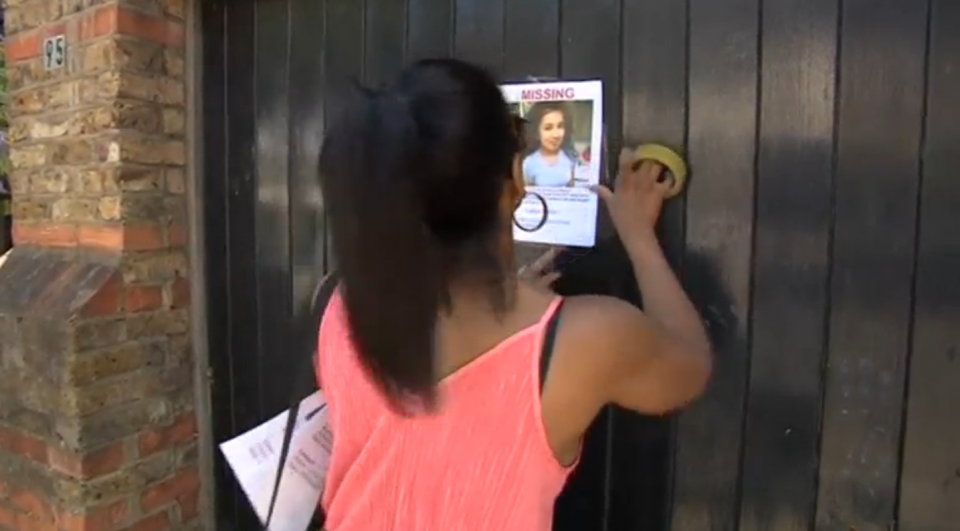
{"x": 930, "y": 476}
{"x": 307, "y": 121}
{"x": 213, "y": 19}
{"x": 530, "y": 39}
{"x": 589, "y": 49}
{"x": 242, "y": 311}
{"x": 346, "y": 20}
{"x": 878, "y": 141}
{"x": 275, "y": 359}
{"x": 429, "y": 28}
{"x": 478, "y": 33}
{"x": 717, "y": 265}
{"x": 653, "y": 63}
{"x": 385, "y": 41}
{"x": 791, "y": 265}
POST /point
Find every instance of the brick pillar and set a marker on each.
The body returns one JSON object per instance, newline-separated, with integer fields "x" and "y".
{"x": 97, "y": 424}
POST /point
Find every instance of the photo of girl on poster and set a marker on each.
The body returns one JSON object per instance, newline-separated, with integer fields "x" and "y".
{"x": 555, "y": 131}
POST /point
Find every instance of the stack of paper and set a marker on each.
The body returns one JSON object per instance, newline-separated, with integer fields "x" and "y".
{"x": 254, "y": 457}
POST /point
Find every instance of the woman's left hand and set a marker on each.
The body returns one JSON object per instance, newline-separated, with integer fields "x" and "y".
{"x": 540, "y": 273}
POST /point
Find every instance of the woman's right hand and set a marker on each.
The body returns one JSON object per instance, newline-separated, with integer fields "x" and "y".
{"x": 541, "y": 273}
{"x": 637, "y": 199}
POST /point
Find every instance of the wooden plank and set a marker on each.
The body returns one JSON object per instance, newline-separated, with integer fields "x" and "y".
{"x": 531, "y": 38}
{"x": 343, "y": 64}
{"x": 654, "y": 63}
{"x": 478, "y": 33}
{"x": 717, "y": 264}
{"x": 384, "y": 33}
{"x": 590, "y": 49}
{"x": 243, "y": 338}
{"x": 930, "y": 475}
{"x": 429, "y": 29}
{"x": 241, "y": 226}
{"x": 791, "y": 265}
{"x": 654, "y": 77}
{"x": 879, "y": 121}
{"x": 307, "y": 121}
{"x": 275, "y": 362}
{"x": 531, "y": 35}
{"x": 215, "y": 204}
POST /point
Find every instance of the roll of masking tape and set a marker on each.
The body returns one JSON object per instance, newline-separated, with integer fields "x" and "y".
{"x": 670, "y": 159}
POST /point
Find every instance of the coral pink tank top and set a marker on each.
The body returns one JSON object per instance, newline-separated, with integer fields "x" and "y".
{"x": 481, "y": 463}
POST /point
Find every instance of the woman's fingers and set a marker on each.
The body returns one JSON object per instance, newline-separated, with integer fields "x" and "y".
{"x": 605, "y": 193}
{"x": 548, "y": 279}
{"x": 627, "y": 180}
{"x": 543, "y": 263}
{"x": 625, "y": 166}
{"x": 650, "y": 171}
{"x": 541, "y": 269}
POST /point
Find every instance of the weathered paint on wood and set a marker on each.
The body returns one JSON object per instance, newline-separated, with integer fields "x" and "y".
{"x": 816, "y": 234}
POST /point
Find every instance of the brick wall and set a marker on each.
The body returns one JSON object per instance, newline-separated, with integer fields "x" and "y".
{"x": 97, "y": 424}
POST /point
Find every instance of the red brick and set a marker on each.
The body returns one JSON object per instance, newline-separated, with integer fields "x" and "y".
{"x": 101, "y": 22}
{"x": 155, "y": 440}
{"x": 104, "y": 237}
{"x": 23, "y": 46}
{"x": 144, "y": 298}
{"x": 95, "y": 464}
{"x": 102, "y": 518}
{"x": 8, "y": 519}
{"x": 121, "y": 238}
{"x": 143, "y": 238}
{"x": 27, "y": 45}
{"x": 178, "y": 236}
{"x": 32, "y": 506}
{"x": 189, "y": 505}
{"x": 113, "y": 19}
{"x": 26, "y": 523}
{"x": 107, "y": 301}
{"x": 180, "y": 293}
{"x": 45, "y": 234}
{"x": 22, "y": 444}
{"x": 157, "y": 522}
{"x": 169, "y": 490}
{"x": 150, "y": 27}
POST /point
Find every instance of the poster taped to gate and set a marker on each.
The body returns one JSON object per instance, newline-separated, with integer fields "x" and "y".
{"x": 254, "y": 457}
{"x": 564, "y": 125}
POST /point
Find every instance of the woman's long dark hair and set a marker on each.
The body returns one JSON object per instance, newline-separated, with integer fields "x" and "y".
{"x": 536, "y": 114}
{"x": 412, "y": 177}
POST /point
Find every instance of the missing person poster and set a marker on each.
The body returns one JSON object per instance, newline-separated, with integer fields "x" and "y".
{"x": 564, "y": 122}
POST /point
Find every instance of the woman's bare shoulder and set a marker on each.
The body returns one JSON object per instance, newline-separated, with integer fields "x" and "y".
{"x": 581, "y": 366}
{"x": 598, "y": 310}
{"x": 591, "y": 336}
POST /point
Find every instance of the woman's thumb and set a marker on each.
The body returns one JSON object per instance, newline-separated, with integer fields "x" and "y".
{"x": 605, "y": 193}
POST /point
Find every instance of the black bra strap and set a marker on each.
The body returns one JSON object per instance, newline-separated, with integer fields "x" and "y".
{"x": 549, "y": 339}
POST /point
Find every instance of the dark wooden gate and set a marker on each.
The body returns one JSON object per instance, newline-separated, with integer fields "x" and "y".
{"x": 824, "y": 136}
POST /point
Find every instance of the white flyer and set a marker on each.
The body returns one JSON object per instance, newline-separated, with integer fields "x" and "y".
{"x": 561, "y": 162}
{"x": 254, "y": 456}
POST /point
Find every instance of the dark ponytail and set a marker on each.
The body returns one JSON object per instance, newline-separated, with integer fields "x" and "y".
{"x": 388, "y": 169}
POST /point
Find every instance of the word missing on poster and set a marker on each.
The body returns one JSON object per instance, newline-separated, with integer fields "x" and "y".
{"x": 562, "y": 161}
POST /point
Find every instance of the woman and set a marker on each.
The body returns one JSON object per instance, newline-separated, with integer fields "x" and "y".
{"x": 553, "y": 160}
{"x": 430, "y": 352}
